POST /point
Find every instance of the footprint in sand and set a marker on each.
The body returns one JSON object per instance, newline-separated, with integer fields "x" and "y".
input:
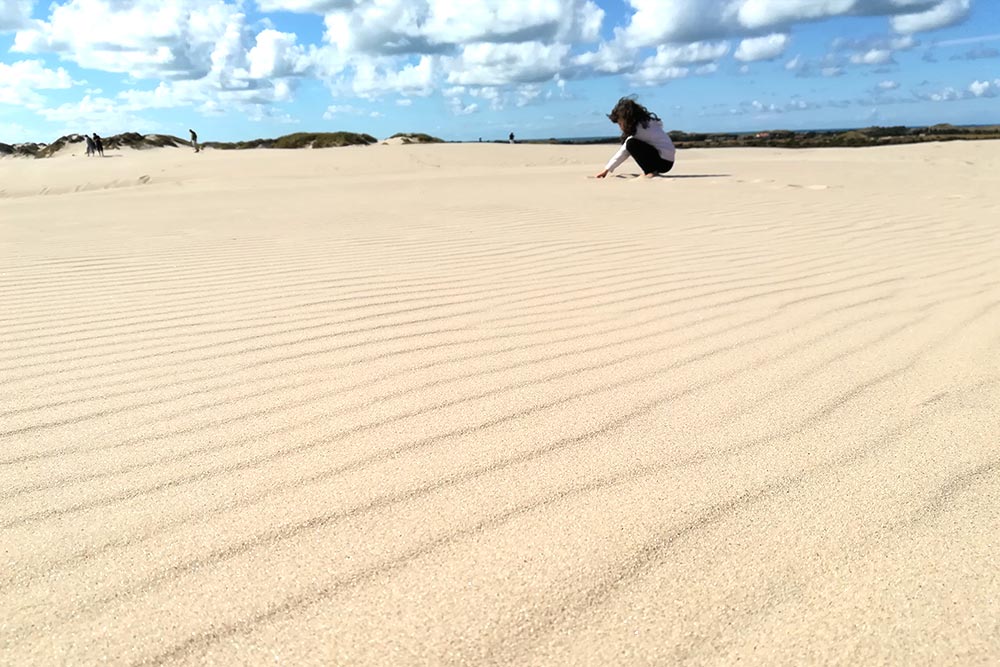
{"x": 144, "y": 179}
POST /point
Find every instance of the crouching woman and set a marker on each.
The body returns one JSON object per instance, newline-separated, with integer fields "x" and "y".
{"x": 643, "y": 138}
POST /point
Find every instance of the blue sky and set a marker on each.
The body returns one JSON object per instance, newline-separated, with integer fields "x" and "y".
{"x": 463, "y": 70}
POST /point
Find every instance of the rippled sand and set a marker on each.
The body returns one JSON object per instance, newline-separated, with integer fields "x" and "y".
{"x": 460, "y": 404}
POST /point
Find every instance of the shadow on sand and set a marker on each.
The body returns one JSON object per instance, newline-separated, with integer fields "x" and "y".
{"x": 673, "y": 176}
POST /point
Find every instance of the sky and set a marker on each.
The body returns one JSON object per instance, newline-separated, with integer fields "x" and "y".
{"x": 465, "y": 69}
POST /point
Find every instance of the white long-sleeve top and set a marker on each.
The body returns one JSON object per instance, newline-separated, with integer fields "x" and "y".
{"x": 654, "y": 135}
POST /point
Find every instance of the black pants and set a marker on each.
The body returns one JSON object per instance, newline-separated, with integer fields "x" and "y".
{"x": 647, "y": 157}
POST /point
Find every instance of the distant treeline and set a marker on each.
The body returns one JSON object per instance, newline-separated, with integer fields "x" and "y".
{"x": 299, "y": 140}
{"x": 868, "y": 136}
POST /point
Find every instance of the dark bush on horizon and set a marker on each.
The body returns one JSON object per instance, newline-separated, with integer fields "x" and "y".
{"x": 323, "y": 140}
{"x": 416, "y": 138}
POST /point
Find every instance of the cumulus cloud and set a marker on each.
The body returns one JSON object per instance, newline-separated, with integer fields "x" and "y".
{"x": 206, "y": 55}
{"x": 762, "y": 48}
{"x": 687, "y": 54}
{"x": 674, "y": 61}
{"x": 202, "y": 52}
{"x": 182, "y": 39}
{"x": 20, "y": 81}
{"x": 657, "y": 21}
{"x": 440, "y": 26}
{"x": 976, "y": 89}
{"x": 940, "y": 15}
{"x": 14, "y": 13}
{"x": 875, "y": 43}
{"x": 828, "y": 66}
{"x": 276, "y": 54}
{"x": 652, "y": 73}
{"x": 95, "y": 114}
{"x": 947, "y": 95}
{"x": 873, "y": 57}
{"x": 888, "y": 85}
{"x": 985, "y": 88}
{"x": 762, "y": 107}
{"x": 609, "y": 58}
{"x": 378, "y": 76}
{"x": 486, "y": 64}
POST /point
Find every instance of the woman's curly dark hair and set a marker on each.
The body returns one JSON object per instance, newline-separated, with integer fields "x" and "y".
{"x": 629, "y": 114}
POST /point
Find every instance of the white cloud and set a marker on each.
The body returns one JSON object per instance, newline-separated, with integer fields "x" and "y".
{"x": 762, "y": 107}
{"x": 14, "y": 13}
{"x": 209, "y": 97}
{"x": 671, "y": 62}
{"x": 872, "y": 57}
{"x": 609, "y": 58}
{"x": 653, "y": 74}
{"x": 20, "y": 80}
{"x": 941, "y": 15}
{"x": 335, "y": 110}
{"x": 183, "y": 39}
{"x": 95, "y": 114}
{"x": 405, "y": 102}
{"x": 304, "y": 6}
{"x": 485, "y": 64}
{"x": 276, "y": 54}
{"x": 378, "y": 76}
{"x": 438, "y": 26}
{"x": 762, "y": 48}
{"x": 877, "y": 43}
{"x": 888, "y": 85}
{"x": 687, "y": 54}
{"x": 460, "y": 108}
{"x": 985, "y": 88}
{"x": 201, "y": 52}
{"x": 527, "y": 94}
{"x": 658, "y": 21}
{"x": 204, "y": 54}
{"x": 947, "y": 95}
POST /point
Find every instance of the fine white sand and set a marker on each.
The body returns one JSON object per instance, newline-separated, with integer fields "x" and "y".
{"x": 459, "y": 404}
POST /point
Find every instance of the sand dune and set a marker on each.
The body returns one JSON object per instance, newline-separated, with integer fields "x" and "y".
{"x": 460, "y": 404}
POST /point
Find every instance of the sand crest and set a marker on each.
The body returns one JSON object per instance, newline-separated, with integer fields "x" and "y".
{"x": 460, "y": 404}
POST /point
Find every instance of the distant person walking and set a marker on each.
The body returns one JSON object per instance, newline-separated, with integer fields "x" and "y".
{"x": 194, "y": 141}
{"x": 91, "y": 146}
{"x": 511, "y": 138}
{"x": 643, "y": 139}
{"x": 98, "y": 145}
